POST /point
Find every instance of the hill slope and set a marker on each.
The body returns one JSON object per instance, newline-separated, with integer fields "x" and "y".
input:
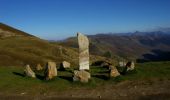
{"x": 18, "y": 48}
{"x": 8, "y": 31}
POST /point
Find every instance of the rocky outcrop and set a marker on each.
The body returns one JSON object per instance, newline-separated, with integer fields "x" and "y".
{"x": 28, "y": 72}
{"x": 82, "y": 76}
{"x": 50, "y": 70}
{"x": 83, "y": 43}
{"x": 113, "y": 71}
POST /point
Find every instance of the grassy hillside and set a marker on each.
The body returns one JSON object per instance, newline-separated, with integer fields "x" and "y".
{"x": 15, "y": 82}
{"x": 18, "y": 48}
{"x": 5, "y": 29}
{"x": 22, "y": 50}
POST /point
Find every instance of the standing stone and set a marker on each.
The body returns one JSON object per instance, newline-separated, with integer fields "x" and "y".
{"x": 83, "y": 43}
{"x": 50, "y": 71}
{"x": 28, "y": 71}
{"x": 130, "y": 66}
{"x": 82, "y": 76}
{"x": 39, "y": 67}
{"x": 113, "y": 71}
{"x": 65, "y": 64}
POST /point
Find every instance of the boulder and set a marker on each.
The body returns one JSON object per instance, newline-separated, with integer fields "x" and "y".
{"x": 83, "y": 43}
{"x": 50, "y": 70}
{"x": 130, "y": 66}
{"x": 28, "y": 72}
{"x": 113, "y": 71}
{"x": 122, "y": 64}
{"x": 39, "y": 67}
{"x": 82, "y": 76}
{"x": 105, "y": 64}
{"x": 65, "y": 64}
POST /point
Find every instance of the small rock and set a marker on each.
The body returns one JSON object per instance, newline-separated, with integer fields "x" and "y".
{"x": 82, "y": 76}
{"x": 113, "y": 71}
{"x": 130, "y": 66}
{"x": 65, "y": 64}
{"x": 39, "y": 67}
{"x": 50, "y": 71}
{"x": 28, "y": 71}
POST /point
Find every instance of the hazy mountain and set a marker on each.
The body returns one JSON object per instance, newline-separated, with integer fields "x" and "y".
{"x": 127, "y": 45}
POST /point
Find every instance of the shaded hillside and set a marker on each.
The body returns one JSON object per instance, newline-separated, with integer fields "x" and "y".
{"x": 128, "y": 46}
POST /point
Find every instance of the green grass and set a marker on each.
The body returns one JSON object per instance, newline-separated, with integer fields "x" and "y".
{"x": 13, "y": 81}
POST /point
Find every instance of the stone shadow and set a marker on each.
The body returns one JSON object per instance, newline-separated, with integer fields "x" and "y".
{"x": 103, "y": 77}
{"x": 68, "y": 78}
{"x": 40, "y": 77}
{"x": 19, "y": 74}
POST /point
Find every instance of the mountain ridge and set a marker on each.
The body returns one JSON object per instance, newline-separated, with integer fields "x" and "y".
{"x": 129, "y": 46}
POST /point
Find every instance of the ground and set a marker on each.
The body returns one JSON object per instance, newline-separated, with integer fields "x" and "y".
{"x": 150, "y": 81}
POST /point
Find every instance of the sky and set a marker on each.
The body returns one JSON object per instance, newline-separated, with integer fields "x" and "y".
{"x": 59, "y": 19}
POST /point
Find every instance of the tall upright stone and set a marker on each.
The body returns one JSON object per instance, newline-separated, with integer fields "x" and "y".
{"x": 28, "y": 72}
{"x": 83, "y": 43}
{"x": 50, "y": 71}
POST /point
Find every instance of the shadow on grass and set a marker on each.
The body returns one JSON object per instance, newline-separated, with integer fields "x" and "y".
{"x": 40, "y": 77}
{"x": 19, "y": 74}
{"x": 68, "y": 78}
{"x": 103, "y": 77}
{"x": 102, "y": 72}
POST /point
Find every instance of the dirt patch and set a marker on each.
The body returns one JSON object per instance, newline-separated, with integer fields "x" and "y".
{"x": 127, "y": 90}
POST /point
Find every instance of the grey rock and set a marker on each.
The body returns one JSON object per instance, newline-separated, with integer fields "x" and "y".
{"x": 28, "y": 72}
{"x": 65, "y": 64}
{"x": 82, "y": 76}
{"x": 50, "y": 70}
{"x": 39, "y": 67}
{"x": 113, "y": 71}
{"x": 130, "y": 66}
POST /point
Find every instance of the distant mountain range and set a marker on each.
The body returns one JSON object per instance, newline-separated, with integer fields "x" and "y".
{"x": 132, "y": 46}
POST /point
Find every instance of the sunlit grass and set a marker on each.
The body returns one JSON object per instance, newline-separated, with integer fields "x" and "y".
{"x": 13, "y": 80}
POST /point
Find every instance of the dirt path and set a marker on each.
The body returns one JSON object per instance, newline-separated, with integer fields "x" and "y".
{"x": 127, "y": 90}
